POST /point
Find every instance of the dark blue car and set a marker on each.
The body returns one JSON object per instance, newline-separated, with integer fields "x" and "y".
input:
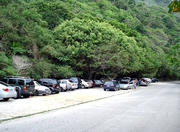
{"x": 111, "y": 85}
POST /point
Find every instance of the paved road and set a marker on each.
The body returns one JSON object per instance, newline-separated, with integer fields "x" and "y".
{"x": 152, "y": 109}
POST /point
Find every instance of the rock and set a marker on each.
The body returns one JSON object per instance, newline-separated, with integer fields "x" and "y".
{"x": 20, "y": 63}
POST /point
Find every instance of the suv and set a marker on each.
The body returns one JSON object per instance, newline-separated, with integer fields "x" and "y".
{"x": 52, "y": 84}
{"x": 24, "y": 85}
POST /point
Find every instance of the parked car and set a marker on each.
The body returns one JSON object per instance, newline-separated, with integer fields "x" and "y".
{"x": 154, "y": 80}
{"x": 41, "y": 90}
{"x": 98, "y": 83}
{"x": 52, "y": 84}
{"x": 147, "y": 79}
{"x": 7, "y": 91}
{"x": 65, "y": 84}
{"x": 143, "y": 82}
{"x": 111, "y": 85}
{"x": 127, "y": 85}
{"x": 86, "y": 83}
{"x": 76, "y": 80}
{"x": 74, "y": 85}
{"x": 24, "y": 86}
{"x": 92, "y": 83}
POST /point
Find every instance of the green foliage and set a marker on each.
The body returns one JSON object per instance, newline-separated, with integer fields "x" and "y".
{"x": 89, "y": 38}
{"x": 6, "y": 67}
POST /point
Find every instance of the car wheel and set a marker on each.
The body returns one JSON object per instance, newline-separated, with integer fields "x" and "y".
{"x": 104, "y": 89}
{"x": 61, "y": 89}
{"x": 36, "y": 93}
{"x": 18, "y": 94}
{"x": 5, "y": 99}
{"x": 26, "y": 96}
{"x": 83, "y": 86}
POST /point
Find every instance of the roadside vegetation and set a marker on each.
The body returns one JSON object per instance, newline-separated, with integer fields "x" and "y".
{"x": 89, "y": 38}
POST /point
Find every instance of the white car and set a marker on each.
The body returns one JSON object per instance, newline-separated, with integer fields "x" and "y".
{"x": 147, "y": 79}
{"x": 127, "y": 85}
{"x": 86, "y": 83}
{"x": 41, "y": 90}
{"x": 65, "y": 85}
{"x": 7, "y": 91}
{"x": 74, "y": 85}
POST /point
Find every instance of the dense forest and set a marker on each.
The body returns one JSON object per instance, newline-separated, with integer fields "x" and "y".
{"x": 89, "y": 38}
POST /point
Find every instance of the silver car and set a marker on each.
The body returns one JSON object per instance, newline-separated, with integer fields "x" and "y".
{"x": 7, "y": 91}
{"x": 41, "y": 90}
{"x": 65, "y": 85}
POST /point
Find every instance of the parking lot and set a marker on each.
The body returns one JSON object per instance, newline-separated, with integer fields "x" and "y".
{"x": 37, "y": 104}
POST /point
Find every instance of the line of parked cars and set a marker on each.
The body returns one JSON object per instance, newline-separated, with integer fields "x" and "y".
{"x": 18, "y": 87}
{"x": 127, "y": 83}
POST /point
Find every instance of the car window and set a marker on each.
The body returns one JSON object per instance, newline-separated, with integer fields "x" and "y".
{"x": 21, "y": 82}
{"x": 29, "y": 82}
{"x": 45, "y": 83}
{"x": 3, "y": 83}
{"x": 53, "y": 82}
{"x": 4, "y": 80}
{"x": 124, "y": 82}
{"x": 63, "y": 82}
{"x": 12, "y": 81}
{"x": 35, "y": 82}
{"x": 108, "y": 83}
{"x": 74, "y": 80}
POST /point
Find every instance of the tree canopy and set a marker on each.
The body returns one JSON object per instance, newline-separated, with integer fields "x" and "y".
{"x": 89, "y": 38}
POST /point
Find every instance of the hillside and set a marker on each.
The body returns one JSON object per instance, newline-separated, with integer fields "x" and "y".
{"x": 162, "y": 3}
{"x": 88, "y": 38}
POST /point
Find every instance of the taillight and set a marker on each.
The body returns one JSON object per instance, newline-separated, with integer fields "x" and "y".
{"x": 5, "y": 89}
{"x": 24, "y": 88}
{"x": 53, "y": 85}
{"x": 72, "y": 84}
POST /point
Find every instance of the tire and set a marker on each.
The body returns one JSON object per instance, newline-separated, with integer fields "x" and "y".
{"x": 26, "y": 96}
{"x": 83, "y": 86}
{"x": 18, "y": 94}
{"x": 36, "y": 93}
{"x": 5, "y": 99}
{"x": 104, "y": 89}
{"x": 61, "y": 89}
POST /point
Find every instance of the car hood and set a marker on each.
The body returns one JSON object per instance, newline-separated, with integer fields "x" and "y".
{"x": 124, "y": 85}
{"x": 41, "y": 87}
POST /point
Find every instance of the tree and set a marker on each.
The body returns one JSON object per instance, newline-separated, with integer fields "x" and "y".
{"x": 174, "y": 6}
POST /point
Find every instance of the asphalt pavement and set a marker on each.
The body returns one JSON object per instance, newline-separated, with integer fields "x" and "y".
{"x": 150, "y": 109}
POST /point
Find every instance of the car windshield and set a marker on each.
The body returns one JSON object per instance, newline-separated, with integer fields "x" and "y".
{"x": 37, "y": 83}
{"x": 97, "y": 81}
{"x": 3, "y": 83}
{"x": 29, "y": 82}
{"x": 108, "y": 83}
{"x": 74, "y": 80}
{"x": 124, "y": 82}
{"x": 64, "y": 82}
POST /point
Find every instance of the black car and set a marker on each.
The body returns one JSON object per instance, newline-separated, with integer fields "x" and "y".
{"x": 24, "y": 86}
{"x": 52, "y": 84}
{"x": 98, "y": 83}
{"x": 76, "y": 80}
{"x": 111, "y": 85}
{"x": 154, "y": 80}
